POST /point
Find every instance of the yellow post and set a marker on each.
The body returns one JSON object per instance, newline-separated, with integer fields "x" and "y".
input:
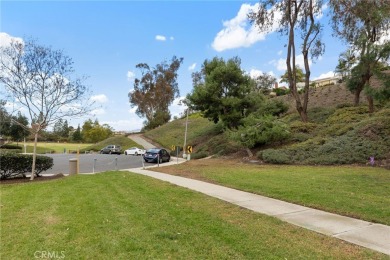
{"x": 78, "y": 160}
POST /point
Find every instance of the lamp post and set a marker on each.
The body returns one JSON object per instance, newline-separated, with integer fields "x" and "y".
{"x": 185, "y": 137}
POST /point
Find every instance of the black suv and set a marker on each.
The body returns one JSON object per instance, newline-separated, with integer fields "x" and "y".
{"x": 110, "y": 149}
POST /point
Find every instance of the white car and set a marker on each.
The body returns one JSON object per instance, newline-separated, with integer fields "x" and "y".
{"x": 134, "y": 151}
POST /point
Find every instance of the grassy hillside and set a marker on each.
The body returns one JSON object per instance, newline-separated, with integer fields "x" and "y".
{"x": 204, "y": 136}
{"x": 337, "y": 133}
{"x": 121, "y": 140}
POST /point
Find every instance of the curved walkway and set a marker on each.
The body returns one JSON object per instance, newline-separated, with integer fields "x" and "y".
{"x": 359, "y": 232}
{"x": 141, "y": 141}
{"x": 356, "y": 231}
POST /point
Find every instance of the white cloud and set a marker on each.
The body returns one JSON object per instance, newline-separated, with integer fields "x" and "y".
{"x": 161, "y": 38}
{"x": 132, "y": 110}
{"x": 237, "y": 32}
{"x": 5, "y": 39}
{"x": 133, "y": 124}
{"x": 99, "y": 98}
{"x": 171, "y": 38}
{"x": 130, "y": 75}
{"x": 192, "y": 67}
{"x": 176, "y": 108}
{"x": 385, "y": 37}
{"x": 280, "y": 52}
{"x": 254, "y": 73}
{"x": 99, "y": 111}
{"x": 281, "y": 63}
{"x": 324, "y": 7}
{"x": 329, "y": 74}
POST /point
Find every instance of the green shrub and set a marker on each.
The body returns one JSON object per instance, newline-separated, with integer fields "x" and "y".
{"x": 260, "y": 130}
{"x": 199, "y": 155}
{"x": 11, "y": 146}
{"x": 274, "y": 156}
{"x": 18, "y": 164}
{"x": 302, "y": 127}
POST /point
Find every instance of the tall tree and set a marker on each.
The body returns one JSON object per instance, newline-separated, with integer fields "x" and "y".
{"x": 347, "y": 60}
{"x": 5, "y": 119}
{"x": 224, "y": 92}
{"x": 290, "y": 16}
{"x": 77, "y": 137}
{"x": 264, "y": 83}
{"x": 363, "y": 24}
{"x": 41, "y": 80}
{"x": 155, "y": 91}
{"x": 19, "y": 127}
{"x": 299, "y": 74}
{"x": 93, "y": 132}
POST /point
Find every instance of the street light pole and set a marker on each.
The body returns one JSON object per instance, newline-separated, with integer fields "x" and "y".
{"x": 185, "y": 137}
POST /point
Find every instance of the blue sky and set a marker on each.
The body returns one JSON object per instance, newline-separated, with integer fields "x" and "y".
{"x": 106, "y": 39}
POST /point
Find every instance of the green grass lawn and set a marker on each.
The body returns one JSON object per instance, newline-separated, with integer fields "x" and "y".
{"x": 120, "y": 215}
{"x": 47, "y": 147}
{"x": 361, "y": 192}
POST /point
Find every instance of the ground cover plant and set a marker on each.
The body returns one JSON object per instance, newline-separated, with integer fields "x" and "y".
{"x": 360, "y": 192}
{"x": 120, "y": 215}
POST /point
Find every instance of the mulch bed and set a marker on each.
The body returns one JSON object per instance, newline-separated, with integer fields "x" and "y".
{"x": 27, "y": 179}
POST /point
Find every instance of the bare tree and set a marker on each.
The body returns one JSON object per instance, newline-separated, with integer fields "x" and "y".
{"x": 288, "y": 17}
{"x": 40, "y": 80}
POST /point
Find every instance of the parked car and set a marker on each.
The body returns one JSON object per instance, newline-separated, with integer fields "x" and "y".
{"x": 134, "y": 151}
{"x": 110, "y": 149}
{"x": 155, "y": 154}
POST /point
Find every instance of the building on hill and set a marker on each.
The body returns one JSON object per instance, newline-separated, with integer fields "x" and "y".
{"x": 326, "y": 81}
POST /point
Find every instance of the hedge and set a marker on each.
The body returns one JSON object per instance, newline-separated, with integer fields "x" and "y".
{"x": 18, "y": 164}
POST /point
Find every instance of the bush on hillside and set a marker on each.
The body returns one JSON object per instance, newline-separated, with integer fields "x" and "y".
{"x": 13, "y": 165}
{"x": 369, "y": 138}
{"x": 199, "y": 155}
{"x": 259, "y": 131}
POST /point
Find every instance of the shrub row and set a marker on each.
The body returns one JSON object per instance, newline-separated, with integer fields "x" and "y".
{"x": 11, "y": 146}
{"x": 13, "y": 164}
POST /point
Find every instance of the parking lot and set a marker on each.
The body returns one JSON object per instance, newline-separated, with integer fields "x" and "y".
{"x": 95, "y": 162}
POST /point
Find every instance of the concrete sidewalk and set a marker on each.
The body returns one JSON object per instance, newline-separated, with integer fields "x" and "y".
{"x": 359, "y": 232}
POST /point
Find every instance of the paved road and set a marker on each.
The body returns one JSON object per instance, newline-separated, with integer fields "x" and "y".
{"x": 139, "y": 140}
{"x": 90, "y": 163}
{"x": 103, "y": 162}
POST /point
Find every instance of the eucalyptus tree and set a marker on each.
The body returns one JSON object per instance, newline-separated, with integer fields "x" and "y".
{"x": 364, "y": 25}
{"x": 155, "y": 91}
{"x": 41, "y": 80}
{"x": 290, "y": 17}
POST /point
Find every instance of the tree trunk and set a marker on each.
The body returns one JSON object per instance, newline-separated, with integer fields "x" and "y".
{"x": 370, "y": 104}
{"x": 301, "y": 111}
{"x": 34, "y": 155}
{"x": 357, "y": 97}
